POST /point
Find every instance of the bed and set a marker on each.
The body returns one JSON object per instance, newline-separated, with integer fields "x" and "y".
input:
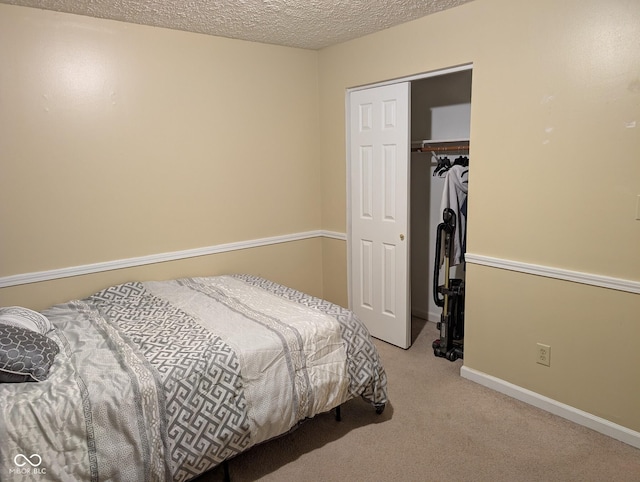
{"x": 166, "y": 380}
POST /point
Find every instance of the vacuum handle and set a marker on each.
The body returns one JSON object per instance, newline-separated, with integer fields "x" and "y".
{"x": 448, "y": 228}
{"x": 436, "y": 267}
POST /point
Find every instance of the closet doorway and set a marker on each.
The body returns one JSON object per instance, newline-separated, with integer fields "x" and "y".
{"x": 391, "y": 182}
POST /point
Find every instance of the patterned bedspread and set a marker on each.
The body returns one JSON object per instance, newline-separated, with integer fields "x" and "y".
{"x": 165, "y": 380}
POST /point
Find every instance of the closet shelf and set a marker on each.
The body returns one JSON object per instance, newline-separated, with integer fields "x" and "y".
{"x": 440, "y": 145}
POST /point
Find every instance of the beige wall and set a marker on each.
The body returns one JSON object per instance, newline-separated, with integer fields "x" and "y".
{"x": 120, "y": 141}
{"x": 594, "y": 334}
{"x": 555, "y": 139}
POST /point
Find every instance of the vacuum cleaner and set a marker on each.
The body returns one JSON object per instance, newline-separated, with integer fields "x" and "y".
{"x": 449, "y": 296}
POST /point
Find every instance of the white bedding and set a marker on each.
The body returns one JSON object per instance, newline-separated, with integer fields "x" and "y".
{"x": 165, "y": 380}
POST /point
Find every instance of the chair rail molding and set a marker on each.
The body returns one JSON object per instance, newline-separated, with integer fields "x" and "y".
{"x": 37, "y": 276}
{"x": 601, "y": 281}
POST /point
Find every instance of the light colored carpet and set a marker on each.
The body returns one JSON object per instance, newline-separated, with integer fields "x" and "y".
{"x": 437, "y": 427}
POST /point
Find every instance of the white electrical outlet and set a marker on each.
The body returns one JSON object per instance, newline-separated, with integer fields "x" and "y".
{"x": 544, "y": 355}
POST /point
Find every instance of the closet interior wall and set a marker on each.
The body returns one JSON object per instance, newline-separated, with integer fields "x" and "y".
{"x": 427, "y": 97}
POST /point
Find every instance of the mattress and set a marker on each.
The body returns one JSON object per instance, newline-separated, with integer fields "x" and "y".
{"x": 165, "y": 380}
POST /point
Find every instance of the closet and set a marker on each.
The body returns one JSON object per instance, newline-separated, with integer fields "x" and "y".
{"x": 440, "y": 125}
{"x": 392, "y": 192}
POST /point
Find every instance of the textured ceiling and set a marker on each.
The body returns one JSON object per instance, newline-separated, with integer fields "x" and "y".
{"x": 309, "y": 24}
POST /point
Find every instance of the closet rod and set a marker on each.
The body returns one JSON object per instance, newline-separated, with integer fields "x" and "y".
{"x": 428, "y": 148}
{"x": 440, "y": 145}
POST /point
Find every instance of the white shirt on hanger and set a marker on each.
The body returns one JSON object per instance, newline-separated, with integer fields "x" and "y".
{"x": 454, "y": 197}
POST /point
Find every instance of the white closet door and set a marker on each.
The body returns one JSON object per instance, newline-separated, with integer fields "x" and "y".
{"x": 379, "y": 210}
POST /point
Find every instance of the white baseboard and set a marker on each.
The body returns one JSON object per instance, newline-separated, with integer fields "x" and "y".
{"x": 419, "y": 313}
{"x": 568, "y": 412}
{"x": 435, "y": 316}
{"x": 425, "y": 314}
{"x": 34, "y": 277}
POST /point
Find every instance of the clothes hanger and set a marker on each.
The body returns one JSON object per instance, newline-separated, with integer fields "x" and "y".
{"x": 443, "y": 166}
{"x": 461, "y": 161}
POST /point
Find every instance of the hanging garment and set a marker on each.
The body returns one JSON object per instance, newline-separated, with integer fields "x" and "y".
{"x": 454, "y": 197}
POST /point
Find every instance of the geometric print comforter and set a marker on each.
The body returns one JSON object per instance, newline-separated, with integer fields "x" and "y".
{"x": 161, "y": 381}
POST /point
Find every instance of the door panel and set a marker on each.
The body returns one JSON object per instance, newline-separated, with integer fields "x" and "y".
{"x": 379, "y": 210}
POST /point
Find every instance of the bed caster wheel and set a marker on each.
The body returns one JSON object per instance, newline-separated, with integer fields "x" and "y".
{"x": 380, "y": 409}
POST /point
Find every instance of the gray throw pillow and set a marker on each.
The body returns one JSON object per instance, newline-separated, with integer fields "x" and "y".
{"x": 25, "y": 355}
